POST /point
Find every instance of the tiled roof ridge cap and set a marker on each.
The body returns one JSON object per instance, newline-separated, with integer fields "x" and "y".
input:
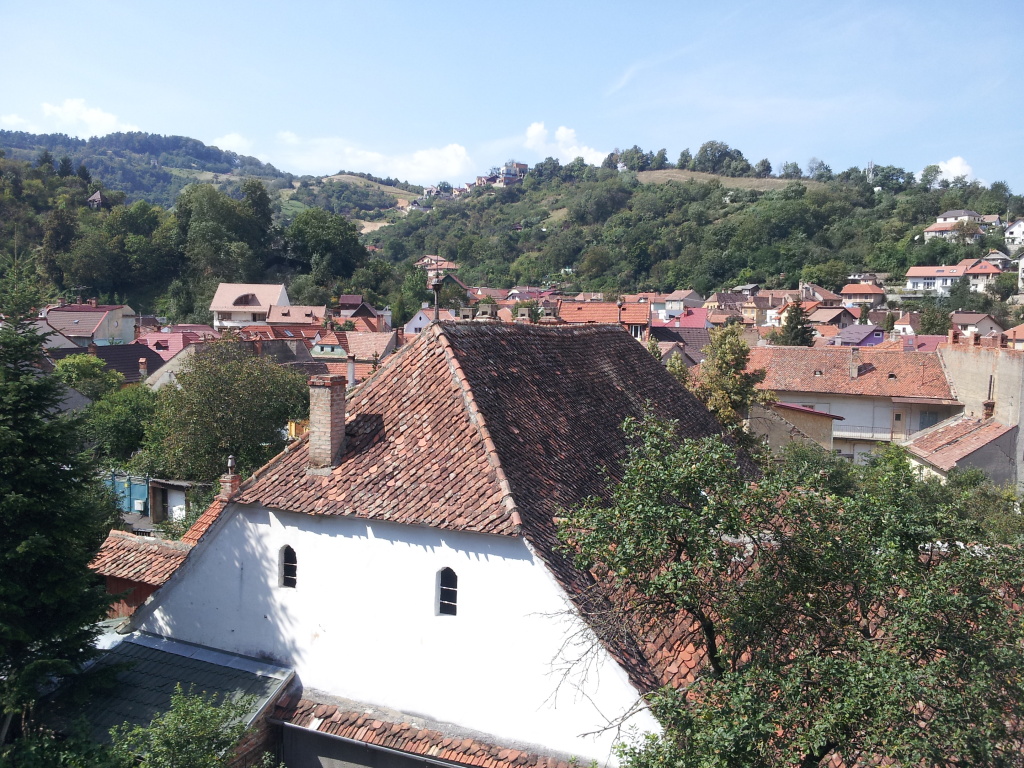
{"x": 150, "y": 541}
{"x": 507, "y": 500}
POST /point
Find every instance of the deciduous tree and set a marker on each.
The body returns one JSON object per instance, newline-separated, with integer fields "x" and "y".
{"x": 832, "y": 612}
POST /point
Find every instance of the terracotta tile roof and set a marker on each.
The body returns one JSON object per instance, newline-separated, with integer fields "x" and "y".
{"x": 167, "y": 345}
{"x": 921, "y": 343}
{"x": 373, "y": 728}
{"x": 861, "y": 289}
{"x": 262, "y": 296}
{"x": 945, "y": 446}
{"x": 827, "y": 370}
{"x": 604, "y": 312}
{"x": 139, "y": 558}
{"x": 826, "y": 331}
{"x": 805, "y": 409}
{"x": 952, "y": 271}
{"x": 76, "y": 319}
{"x": 827, "y": 315}
{"x": 362, "y": 369}
{"x": 983, "y": 268}
{"x": 297, "y": 314}
{"x": 494, "y": 428}
{"x": 1016, "y": 333}
{"x": 204, "y": 521}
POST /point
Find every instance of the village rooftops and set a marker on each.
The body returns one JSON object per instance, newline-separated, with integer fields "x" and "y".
{"x": 248, "y": 297}
{"x": 636, "y": 313}
{"x": 878, "y": 373}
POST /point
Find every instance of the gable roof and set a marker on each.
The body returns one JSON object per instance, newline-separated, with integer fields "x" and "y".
{"x": 493, "y": 428}
{"x": 793, "y": 369}
{"x": 604, "y": 312}
{"x": 139, "y": 558}
{"x": 855, "y": 334}
{"x": 261, "y": 294}
{"x": 950, "y": 271}
{"x": 294, "y": 313}
{"x": 123, "y": 358}
{"x": 944, "y": 446}
{"x": 861, "y": 289}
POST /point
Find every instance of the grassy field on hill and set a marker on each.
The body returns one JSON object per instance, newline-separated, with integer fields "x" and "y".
{"x": 359, "y": 181}
{"x": 740, "y": 182}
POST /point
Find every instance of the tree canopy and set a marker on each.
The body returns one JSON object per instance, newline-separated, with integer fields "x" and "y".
{"x": 834, "y": 610}
{"x": 54, "y": 514}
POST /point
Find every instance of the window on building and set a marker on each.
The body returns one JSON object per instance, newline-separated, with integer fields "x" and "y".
{"x": 928, "y": 419}
{"x": 289, "y": 567}
{"x": 448, "y": 592}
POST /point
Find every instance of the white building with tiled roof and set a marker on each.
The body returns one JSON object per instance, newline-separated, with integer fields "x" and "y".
{"x": 236, "y": 305}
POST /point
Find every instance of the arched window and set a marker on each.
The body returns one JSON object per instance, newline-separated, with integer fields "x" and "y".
{"x": 289, "y": 567}
{"x": 448, "y": 592}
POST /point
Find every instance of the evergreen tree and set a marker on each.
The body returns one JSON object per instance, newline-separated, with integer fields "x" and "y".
{"x": 65, "y": 168}
{"x": 54, "y": 514}
{"x": 796, "y": 331}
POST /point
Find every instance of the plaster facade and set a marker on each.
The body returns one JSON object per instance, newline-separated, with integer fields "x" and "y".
{"x": 363, "y": 622}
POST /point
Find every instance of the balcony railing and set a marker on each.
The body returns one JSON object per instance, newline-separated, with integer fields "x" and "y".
{"x": 856, "y": 432}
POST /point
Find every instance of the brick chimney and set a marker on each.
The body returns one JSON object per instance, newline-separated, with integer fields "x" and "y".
{"x": 92, "y": 302}
{"x": 230, "y": 481}
{"x": 93, "y": 349}
{"x": 351, "y": 369}
{"x": 988, "y": 408}
{"x": 326, "y": 422}
{"x": 143, "y": 369}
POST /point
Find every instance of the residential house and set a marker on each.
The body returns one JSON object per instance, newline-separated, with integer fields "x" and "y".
{"x": 1014, "y": 236}
{"x": 992, "y": 220}
{"x": 425, "y": 317}
{"x": 878, "y": 278}
{"x": 89, "y": 322}
{"x": 998, "y": 259}
{"x": 982, "y": 274}
{"x": 965, "y": 442}
{"x": 884, "y": 396}
{"x": 424, "y": 488}
{"x": 811, "y": 292}
{"x": 958, "y": 215}
{"x": 730, "y": 301}
{"x": 634, "y": 317}
{"x": 366, "y": 351}
{"x": 236, "y": 305}
{"x": 975, "y": 322}
{"x": 690, "y": 340}
{"x": 858, "y": 335}
{"x": 679, "y": 301}
{"x": 954, "y": 230}
{"x": 779, "y": 424}
{"x": 696, "y": 317}
{"x": 856, "y": 294}
{"x": 747, "y": 290}
{"x": 908, "y": 324}
{"x": 840, "y": 317}
{"x": 1015, "y": 337}
{"x": 937, "y": 280}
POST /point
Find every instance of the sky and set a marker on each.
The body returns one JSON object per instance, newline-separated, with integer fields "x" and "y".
{"x": 445, "y": 90}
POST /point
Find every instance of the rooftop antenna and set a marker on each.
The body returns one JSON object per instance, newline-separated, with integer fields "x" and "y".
{"x": 871, "y": 171}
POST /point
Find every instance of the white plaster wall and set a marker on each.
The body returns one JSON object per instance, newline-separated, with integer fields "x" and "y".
{"x": 362, "y": 623}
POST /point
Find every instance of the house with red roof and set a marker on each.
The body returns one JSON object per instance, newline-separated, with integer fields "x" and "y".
{"x": 89, "y": 322}
{"x": 402, "y": 557}
{"x": 855, "y": 294}
{"x": 236, "y": 305}
{"x": 635, "y": 317}
{"x": 883, "y": 396}
{"x": 965, "y": 443}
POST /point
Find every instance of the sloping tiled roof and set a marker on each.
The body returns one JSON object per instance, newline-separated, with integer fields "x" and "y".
{"x": 123, "y": 358}
{"x": 494, "y": 428}
{"x": 952, "y": 271}
{"x": 167, "y": 345}
{"x": 203, "y": 522}
{"x": 139, "y": 558}
{"x": 827, "y": 370}
{"x": 945, "y": 446}
{"x": 604, "y": 312}
{"x": 228, "y": 293}
{"x": 296, "y": 314}
{"x": 695, "y": 339}
{"x": 861, "y": 289}
{"x": 76, "y": 319}
{"x": 404, "y": 736}
{"x": 693, "y": 317}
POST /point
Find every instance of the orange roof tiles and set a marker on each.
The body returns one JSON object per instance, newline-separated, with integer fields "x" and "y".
{"x": 882, "y": 373}
{"x": 604, "y": 312}
{"x": 373, "y": 728}
{"x": 945, "y": 446}
{"x": 204, "y": 522}
{"x": 861, "y": 289}
{"x": 139, "y": 558}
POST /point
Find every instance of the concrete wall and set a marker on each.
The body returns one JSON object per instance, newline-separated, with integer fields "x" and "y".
{"x": 978, "y": 371}
{"x": 363, "y": 623}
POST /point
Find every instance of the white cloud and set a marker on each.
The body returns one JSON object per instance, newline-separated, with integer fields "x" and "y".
{"x": 17, "y": 123}
{"x": 74, "y": 117}
{"x": 330, "y": 154}
{"x": 566, "y": 146}
{"x": 955, "y": 166}
{"x": 234, "y": 142}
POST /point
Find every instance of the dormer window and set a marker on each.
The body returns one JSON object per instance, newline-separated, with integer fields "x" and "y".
{"x": 817, "y": 373}
{"x": 447, "y": 592}
{"x": 892, "y": 375}
{"x": 289, "y": 567}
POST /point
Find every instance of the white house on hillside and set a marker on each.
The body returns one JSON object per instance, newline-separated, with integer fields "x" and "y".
{"x": 402, "y": 557}
{"x": 236, "y": 305}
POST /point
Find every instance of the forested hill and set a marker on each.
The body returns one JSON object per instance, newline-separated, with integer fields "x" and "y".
{"x": 613, "y": 230}
{"x": 145, "y": 166}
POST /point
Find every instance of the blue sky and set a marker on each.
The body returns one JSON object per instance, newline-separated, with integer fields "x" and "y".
{"x": 444, "y": 90}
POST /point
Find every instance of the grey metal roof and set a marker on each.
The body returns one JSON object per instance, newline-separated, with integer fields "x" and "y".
{"x": 147, "y": 668}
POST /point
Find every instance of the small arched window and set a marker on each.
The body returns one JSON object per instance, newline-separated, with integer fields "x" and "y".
{"x": 448, "y": 592}
{"x": 289, "y": 567}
